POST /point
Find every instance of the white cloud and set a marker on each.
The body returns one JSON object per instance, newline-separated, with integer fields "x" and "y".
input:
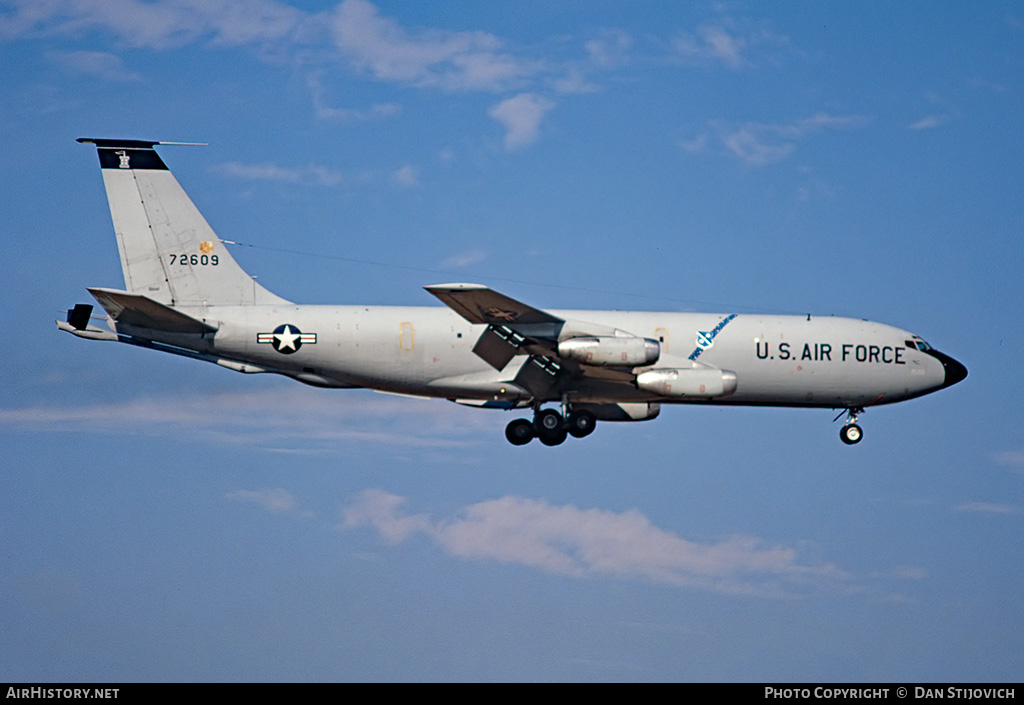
{"x": 323, "y": 176}
{"x": 456, "y": 61}
{"x": 98, "y": 64}
{"x": 424, "y": 57}
{"x": 284, "y": 418}
{"x": 521, "y": 116}
{"x": 610, "y": 50}
{"x": 902, "y": 572}
{"x": 258, "y": 172}
{"x": 759, "y": 144}
{"x": 272, "y": 172}
{"x": 407, "y": 176}
{"x": 574, "y": 82}
{"x": 928, "y": 122}
{"x": 159, "y": 25}
{"x": 751, "y": 147}
{"x": 251, "y": 21}
{"x": 354, "y": 33}
{"x": 275, "y": 501}
{"x": 987, "y": 508}
{"x": 730, "y": 43}
{"x": 820, "y": 121}
{"x": 382, "y": 511}
{"x": 378, "y": 111}
{"x": 590, "y": 542}
{"x": 464, "y": 259}
{"x": 712, "y": 44}
{"x": 1012, "y": 458}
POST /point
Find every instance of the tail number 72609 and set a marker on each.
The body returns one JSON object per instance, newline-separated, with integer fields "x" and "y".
{"x": 195, "y": 260}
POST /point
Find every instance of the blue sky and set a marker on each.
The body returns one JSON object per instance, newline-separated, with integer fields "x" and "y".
{"x": 165, "y": 520}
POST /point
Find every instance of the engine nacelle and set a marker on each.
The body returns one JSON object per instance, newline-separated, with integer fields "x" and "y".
{"x": 606, "y": 350}
{"x": 696, "y": 383}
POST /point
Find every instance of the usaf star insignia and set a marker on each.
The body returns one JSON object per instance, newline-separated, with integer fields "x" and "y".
{"x": 286, "y": 338}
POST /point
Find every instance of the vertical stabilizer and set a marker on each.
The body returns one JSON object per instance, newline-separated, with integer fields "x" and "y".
{"x": 169, "y": 252}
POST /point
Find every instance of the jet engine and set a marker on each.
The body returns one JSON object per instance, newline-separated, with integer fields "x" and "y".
{"x": 618, "y": 351}
{"x": 697, "y": 383}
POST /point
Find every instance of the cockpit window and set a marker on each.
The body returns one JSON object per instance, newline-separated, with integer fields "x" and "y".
{"x": 918, "y": 344}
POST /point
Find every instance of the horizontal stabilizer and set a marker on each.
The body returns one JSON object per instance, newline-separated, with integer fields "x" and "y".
{"x": 143, "y": 312}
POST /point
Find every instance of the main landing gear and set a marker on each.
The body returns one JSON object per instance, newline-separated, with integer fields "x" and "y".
{"x": 851, "y": 433}
{"x": 551, "y": 427}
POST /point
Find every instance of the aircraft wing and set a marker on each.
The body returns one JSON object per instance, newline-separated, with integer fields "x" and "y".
{"x": 514, "y": 328}
{"x": 479, "y": 304}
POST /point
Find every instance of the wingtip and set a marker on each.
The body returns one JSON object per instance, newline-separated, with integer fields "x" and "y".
{"x": 455, "y": 287}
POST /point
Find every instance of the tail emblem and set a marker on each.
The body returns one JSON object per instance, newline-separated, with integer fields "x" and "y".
{"x": 286, "y": 339}
{"x": 123, "y": 164}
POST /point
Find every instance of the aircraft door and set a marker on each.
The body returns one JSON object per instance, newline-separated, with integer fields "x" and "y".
{"x": 407, "y": 341}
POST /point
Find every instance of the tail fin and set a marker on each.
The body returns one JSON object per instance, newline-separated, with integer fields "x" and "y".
{"x": 169, "y": 252}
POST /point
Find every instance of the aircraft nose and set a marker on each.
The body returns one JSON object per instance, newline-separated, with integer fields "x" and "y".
{"x": 955, "y": 371}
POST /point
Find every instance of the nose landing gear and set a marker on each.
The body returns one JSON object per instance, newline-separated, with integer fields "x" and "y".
{"x": 851, "y": 433}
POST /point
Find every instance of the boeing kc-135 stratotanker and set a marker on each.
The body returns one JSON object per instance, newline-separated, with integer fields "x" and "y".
{"x": 185, "y": 294}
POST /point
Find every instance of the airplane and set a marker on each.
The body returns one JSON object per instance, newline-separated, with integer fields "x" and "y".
{"x": 186, "y": 295}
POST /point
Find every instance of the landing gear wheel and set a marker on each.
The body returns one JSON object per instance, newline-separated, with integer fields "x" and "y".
{"x": 581, "y": 423}
{"x": 555, "y": 438}
{"x": 547, "y": 420}
{"x": 550, "y": 427}
{"x": 850, "y": 434}
{"x": 519, "y": 432}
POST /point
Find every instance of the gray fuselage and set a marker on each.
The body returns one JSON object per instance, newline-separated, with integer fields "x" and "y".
{"x": 778, "y": 360}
